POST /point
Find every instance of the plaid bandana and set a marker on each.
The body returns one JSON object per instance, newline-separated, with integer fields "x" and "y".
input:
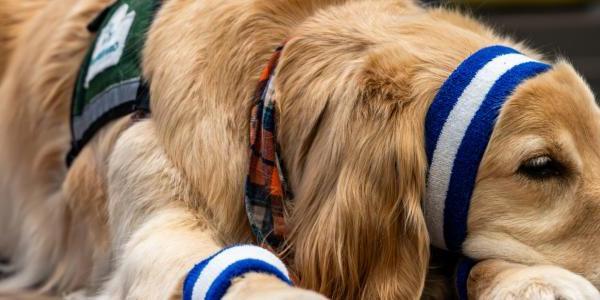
{"x": 266, "y": 188}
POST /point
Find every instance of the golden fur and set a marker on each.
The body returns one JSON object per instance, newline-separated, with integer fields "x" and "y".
{"x": 147, "y": 199}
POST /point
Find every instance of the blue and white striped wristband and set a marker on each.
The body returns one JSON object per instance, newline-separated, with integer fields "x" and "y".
{"x": 210, "y": 279}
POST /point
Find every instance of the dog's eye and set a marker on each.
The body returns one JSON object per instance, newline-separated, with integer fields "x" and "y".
{"x": 541, "y": 167}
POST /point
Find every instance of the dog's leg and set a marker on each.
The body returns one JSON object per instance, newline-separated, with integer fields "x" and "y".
{"x": 157, "y": 238}
{"x": 37, "y": 247}
{"x": 497, "y": 279}
{"x": 155, "y": 260}
{"x": 30, "y": 221}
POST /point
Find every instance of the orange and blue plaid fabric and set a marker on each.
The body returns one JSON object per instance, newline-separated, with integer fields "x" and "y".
{"x": 266, "y": 188}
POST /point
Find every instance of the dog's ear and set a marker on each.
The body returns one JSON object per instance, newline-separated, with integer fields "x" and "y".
{"x": 357, "y": 226}
{"x": 384, "y": 79}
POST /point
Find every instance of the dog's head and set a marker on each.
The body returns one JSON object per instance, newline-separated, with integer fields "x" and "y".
{"x": 353, "y": 134}
{"x": 537, "y": 196}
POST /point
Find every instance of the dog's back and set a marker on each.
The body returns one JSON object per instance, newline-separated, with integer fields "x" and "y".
{"x": 41, "y": 46}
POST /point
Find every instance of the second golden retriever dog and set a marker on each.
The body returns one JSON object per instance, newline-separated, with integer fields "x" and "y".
{"x": 354, "y": 91}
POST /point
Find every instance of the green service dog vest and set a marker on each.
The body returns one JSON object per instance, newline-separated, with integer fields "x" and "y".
{"x": 110, "y": 83}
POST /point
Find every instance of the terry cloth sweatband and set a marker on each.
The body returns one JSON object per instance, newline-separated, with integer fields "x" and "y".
{"x": 458, "y": 127}
{"x": 463, "y": 269}
{"x": 210, "y": 279}
{"x": 110, "y": 83}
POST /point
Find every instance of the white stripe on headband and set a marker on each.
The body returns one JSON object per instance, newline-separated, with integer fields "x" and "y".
{"x": 458, "y": 127}
{"x": 211, "y": 278}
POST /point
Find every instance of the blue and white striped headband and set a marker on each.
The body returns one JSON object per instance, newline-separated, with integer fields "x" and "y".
{"x": 458, "y": 127}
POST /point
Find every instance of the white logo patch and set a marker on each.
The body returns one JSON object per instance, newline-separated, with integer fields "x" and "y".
{"x": 110, "y": 43}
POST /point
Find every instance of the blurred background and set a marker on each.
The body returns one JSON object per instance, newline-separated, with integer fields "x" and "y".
{"x": 567, "y": 28}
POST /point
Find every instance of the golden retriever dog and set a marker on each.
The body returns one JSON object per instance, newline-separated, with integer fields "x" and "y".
{"x": 148, "y": 198}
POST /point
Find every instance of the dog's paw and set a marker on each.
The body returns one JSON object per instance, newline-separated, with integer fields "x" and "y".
{"x": 289, "y": 293}
{"x": 260, "y": 286}
{"x": 540, "y": 282}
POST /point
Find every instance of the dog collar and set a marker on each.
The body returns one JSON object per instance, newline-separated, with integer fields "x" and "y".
{"x": 458, "y": 127}
{"x": 266, "y": 188}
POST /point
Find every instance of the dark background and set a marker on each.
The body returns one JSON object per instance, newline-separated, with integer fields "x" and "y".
{"x": 568, "y": 28}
